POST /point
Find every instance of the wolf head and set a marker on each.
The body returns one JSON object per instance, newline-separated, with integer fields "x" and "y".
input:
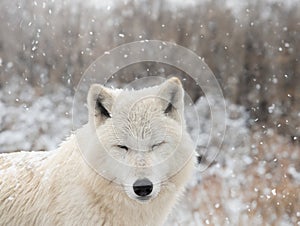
{"x": 137, "y": 138}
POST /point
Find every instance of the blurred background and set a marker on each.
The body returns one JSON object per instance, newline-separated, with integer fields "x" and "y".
{"x": 252, "y": 47}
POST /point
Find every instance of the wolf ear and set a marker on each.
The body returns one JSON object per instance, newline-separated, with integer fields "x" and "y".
{"x": 171, "y": 93}
{"x": 100, "y": 101}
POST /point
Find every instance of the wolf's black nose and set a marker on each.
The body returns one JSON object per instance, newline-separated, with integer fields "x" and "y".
{"x": 142, "y": 187}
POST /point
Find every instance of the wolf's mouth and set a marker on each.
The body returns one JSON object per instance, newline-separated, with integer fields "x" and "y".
{"x": 144, "y": 198}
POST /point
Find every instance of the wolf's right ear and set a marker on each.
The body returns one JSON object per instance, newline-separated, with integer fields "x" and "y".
{"x": 172, "y": 93}
{"x": 100, "y": 100}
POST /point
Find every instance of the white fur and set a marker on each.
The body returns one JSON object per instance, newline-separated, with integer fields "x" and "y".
{"x": 63, "y": 187}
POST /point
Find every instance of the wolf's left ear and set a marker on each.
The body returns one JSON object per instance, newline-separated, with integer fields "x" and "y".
{"x": 100, "y": 100}
{"x": 171, "y": 93}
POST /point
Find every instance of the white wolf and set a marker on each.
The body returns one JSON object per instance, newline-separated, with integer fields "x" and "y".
{"x": 126, "y": 166}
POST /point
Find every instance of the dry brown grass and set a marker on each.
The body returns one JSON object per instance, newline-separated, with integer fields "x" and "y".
{"x": 264, "y": 192}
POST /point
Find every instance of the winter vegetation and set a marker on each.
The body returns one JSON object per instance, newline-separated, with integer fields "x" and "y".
{"x": 251, "y": 47}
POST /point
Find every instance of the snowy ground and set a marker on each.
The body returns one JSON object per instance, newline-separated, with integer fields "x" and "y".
{"x": 254, "y": 180}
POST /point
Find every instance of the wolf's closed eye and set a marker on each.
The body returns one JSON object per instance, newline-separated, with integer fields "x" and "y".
{"x": 157, "y": 145}
{"x": 123, "y": 147}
